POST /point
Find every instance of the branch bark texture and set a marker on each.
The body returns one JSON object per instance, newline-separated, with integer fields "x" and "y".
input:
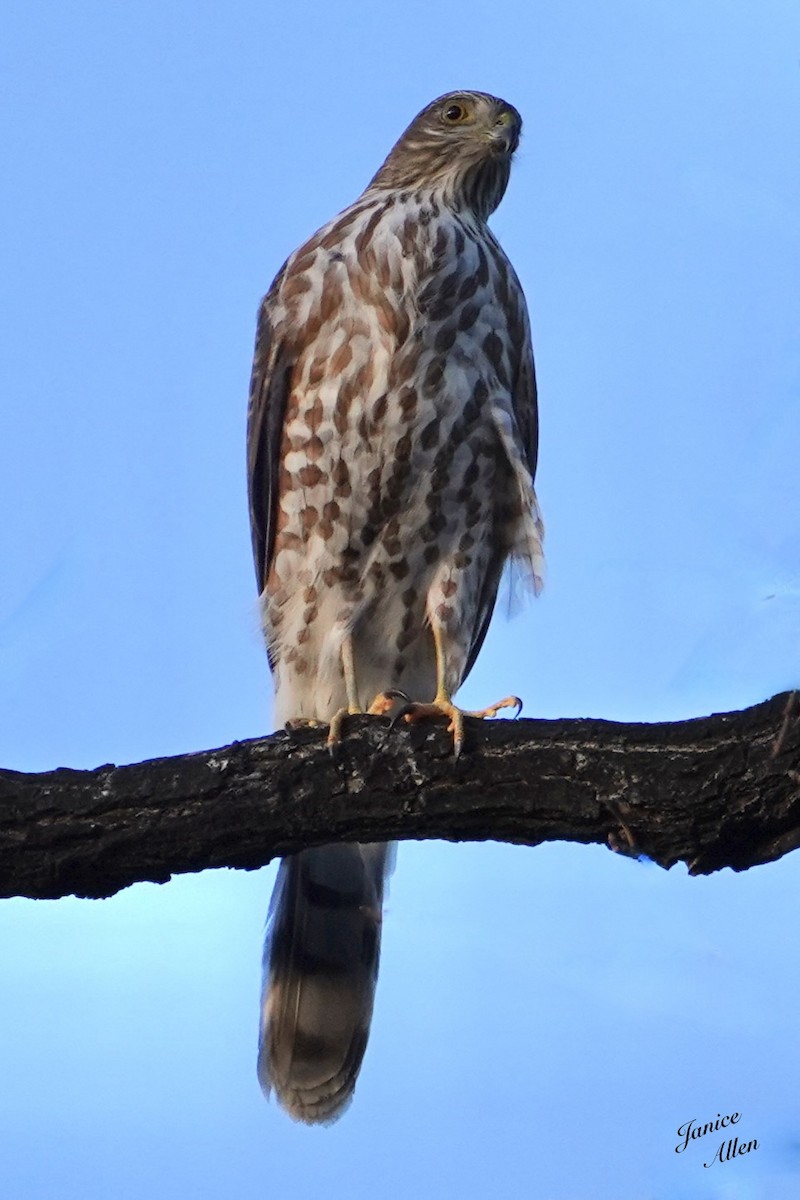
{"x": 712, "y": 792}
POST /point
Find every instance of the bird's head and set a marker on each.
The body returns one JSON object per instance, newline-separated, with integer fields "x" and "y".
{"x": 461, "y": 145}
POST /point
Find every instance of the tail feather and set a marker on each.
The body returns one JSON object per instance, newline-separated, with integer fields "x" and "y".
{"x": 320, "y": 971}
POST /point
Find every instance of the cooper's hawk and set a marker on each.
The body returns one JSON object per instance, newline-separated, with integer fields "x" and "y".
{"x": 391, "y": 452}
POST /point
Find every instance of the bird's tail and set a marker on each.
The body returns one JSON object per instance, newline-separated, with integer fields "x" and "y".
{"x": 320, "y": 971}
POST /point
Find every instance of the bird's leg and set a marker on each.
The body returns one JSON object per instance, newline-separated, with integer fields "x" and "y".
{"x": 353, "y": 707}
{"x": 442, "y": 703}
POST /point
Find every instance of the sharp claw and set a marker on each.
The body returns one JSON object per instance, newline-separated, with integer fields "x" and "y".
{"x": 412, "y": 712}
{"x": 400, "y": 714}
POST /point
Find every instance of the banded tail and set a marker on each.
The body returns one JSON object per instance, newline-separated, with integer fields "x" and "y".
{"x": 320, "y": 970}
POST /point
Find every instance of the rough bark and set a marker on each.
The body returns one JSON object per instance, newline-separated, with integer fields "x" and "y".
{"x": 713, "y": 792}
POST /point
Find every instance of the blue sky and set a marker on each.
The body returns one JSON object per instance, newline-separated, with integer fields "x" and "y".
{"x": 546, "y": 1018}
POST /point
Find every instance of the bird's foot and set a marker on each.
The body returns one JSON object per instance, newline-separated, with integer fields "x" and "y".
{"x": 381, "y": 705}
{"x": 303, "y": 723}
{"x": 443, "y": 706}
{"x": 387, "y": 702}
{"x": 336, "y": 727}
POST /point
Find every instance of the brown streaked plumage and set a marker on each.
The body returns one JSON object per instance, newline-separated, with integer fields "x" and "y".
{"x": 392, "y": 440}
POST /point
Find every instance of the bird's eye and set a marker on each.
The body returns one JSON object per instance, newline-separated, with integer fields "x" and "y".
{"x": 454, "y": 114}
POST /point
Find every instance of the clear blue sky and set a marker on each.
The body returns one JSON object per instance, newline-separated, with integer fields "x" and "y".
{"x": 546, "y": 1018}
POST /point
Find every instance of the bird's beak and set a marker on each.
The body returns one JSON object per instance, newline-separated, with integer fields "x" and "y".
{"x": 505, "y": 131}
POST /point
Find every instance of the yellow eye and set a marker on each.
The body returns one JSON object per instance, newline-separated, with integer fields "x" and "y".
{"x": 454, "y": 114}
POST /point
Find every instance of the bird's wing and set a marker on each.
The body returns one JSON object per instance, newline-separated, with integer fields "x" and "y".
{"x": 526, "y": 434}
{"x": 269, "y": 389}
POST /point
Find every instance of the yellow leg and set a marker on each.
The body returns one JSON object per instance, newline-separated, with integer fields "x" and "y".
{"x": 442, "y": 703}
{"x": 353, "y": 707}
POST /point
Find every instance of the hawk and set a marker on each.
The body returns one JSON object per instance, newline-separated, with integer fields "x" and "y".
{"x": 392, "y": 440}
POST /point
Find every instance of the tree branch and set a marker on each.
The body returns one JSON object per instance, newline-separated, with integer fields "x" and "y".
{"x": 713, "y": 792}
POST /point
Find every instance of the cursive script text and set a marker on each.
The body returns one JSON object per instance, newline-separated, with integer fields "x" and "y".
{"x": 690, "y": 1130}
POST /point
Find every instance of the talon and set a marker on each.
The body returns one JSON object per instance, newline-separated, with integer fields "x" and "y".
{"x": 442, "y": 706}
{"x": 494, "y": 709}
{"x": 401, "y": 715}
{"x": 456, "y": 727}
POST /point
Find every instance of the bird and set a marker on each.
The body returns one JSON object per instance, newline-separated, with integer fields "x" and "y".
{"x": 391, "y": 451}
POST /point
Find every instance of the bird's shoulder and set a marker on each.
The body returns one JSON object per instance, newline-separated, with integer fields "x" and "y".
{"x": 396, "y": 238}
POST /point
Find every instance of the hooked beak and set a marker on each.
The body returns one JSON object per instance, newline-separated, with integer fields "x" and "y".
{"x": 504, "y": 133}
